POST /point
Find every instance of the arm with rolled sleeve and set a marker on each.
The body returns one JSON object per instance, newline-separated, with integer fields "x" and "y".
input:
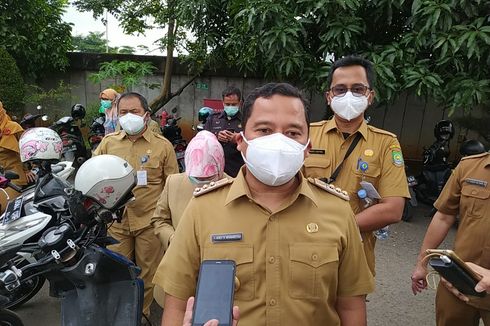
{"x": 162, "y": 217}
{"x": 392, "y": 188}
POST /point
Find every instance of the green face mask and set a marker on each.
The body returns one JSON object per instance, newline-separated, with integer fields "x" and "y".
{"x": 231, "y": 111}
{"x": 104, "y": 105}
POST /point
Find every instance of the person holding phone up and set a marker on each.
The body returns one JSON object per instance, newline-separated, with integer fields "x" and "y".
{"x": 226, "y": 126}
{"x": 295, "y": 242}
{"x": 466, "y": 193}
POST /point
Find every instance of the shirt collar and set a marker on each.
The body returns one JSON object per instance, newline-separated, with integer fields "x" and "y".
{"x": 239, "y": 188}
{"x": 147, "y": 135}
{"x": 487, "y": 161}
{"x": 225, "y": 116}
{"x": 332, "y": 124}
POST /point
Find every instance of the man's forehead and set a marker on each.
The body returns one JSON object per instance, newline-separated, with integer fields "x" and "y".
{"x": 351, "y": 72}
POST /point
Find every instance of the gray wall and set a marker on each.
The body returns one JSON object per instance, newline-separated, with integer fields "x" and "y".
{"x": 411, "y": 118}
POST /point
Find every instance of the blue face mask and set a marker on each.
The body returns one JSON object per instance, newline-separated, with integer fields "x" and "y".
{"x": 231, "y": 111}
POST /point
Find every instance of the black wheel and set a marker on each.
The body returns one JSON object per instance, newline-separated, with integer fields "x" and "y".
{"x": 26, "y": 290}
{"x": 9, "y": 318}
{"x": 407, "y": 212}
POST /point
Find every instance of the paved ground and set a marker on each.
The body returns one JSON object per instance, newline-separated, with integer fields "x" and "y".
{"x": 392, "y": 304}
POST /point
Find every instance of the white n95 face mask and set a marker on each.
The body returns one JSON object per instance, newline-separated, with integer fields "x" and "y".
{"x": 274, "y": 159}
{"x": 349, "y": 106}
{"x": 131, "y": 123}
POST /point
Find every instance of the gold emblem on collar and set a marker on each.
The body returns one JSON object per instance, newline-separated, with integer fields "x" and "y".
{"x": 312, "y": 228}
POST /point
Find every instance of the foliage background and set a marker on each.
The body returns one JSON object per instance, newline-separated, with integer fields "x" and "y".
{"x": 12, "y": 86}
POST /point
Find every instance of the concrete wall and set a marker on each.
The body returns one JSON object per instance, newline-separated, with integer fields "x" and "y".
{"x": 411, "y": 118}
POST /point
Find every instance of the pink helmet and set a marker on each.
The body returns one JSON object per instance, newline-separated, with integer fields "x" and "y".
{"x": 204, "y": 156}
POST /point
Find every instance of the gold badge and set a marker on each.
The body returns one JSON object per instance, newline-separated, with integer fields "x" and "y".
{"x": 148, "y": 151}
{"x": 369, "y": 152}
{"x": 312, "y": 228}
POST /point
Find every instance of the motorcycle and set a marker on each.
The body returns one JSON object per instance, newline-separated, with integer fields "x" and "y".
{"x": 97, "y": 132}
{"x": 436, "y": 169}
{"x": 81, "y": 271}
{"x": 24, "y": 220}
{"x": 173, "y": 133}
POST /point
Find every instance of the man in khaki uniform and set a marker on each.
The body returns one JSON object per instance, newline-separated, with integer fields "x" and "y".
{"x": 466, "y": 193}
{"x": 154, "y": 159}
{"x": 376, "y": 158}
{"x": 295, "y": 241}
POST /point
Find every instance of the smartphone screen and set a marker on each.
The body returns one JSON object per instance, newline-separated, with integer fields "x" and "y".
{"x": 214, "y": 295}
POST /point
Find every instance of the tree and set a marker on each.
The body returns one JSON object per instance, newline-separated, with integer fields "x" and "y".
{"x": 95, "y": 42}
{"x": 12, "y": 86}
{"x": 439, "y": 49}
{"x": 126, "y": 74}
{"x": 33, "y": 32}
{"x": 136, "y": 16}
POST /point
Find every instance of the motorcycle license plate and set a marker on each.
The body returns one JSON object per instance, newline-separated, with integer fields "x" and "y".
{"x": 13, "y": 210}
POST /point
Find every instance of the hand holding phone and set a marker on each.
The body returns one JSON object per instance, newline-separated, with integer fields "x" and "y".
{"x": 215, "y": 293}
{"x": 455, "y": 271}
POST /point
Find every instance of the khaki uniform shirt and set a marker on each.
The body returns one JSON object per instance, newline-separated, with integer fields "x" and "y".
{"x": 467, "y": 193}
{"x": 292, "y": 264}
{"x": 376, "y": 159}
{"x": 174, "y": 199}
{"x": 152, "y": 153}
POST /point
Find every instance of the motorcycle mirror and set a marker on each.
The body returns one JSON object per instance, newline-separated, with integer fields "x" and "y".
{"x": 11, "y": 175}
{"x": 39, "y": 107}
{"x": 44, "y": 118}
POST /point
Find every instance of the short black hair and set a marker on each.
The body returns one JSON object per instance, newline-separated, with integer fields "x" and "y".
{"x": 141, "y": 98}
{"x": 232, "y": 90}
{"x": 352, "y": 60}
{"x": 267, "y": 91}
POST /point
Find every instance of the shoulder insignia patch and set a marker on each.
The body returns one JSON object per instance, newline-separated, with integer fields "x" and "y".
{"x": 211, "y": 186}
{"x": 397, "y": 157}
{"x": 382, "y": 131}
{"x": 330, "y": 188}
{"x": 475, "y": 156}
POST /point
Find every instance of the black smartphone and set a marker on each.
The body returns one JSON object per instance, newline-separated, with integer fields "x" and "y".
{"x": 456, "y": 272}
{"x": 215, "y": 292}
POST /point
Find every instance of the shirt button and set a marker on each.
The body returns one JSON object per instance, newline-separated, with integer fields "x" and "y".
{"x": 314, "y": 257}
{"x": 272, "y": 259}
{"x": 272, "y": 302}
{"x": 474, "y": 192}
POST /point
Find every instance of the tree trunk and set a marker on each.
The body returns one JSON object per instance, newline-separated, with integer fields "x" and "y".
{"x": 165, "y": 95}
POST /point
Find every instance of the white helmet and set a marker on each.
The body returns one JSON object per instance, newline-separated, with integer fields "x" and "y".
{"x": 107, "y": 179}
{"x": 40, "y": 144}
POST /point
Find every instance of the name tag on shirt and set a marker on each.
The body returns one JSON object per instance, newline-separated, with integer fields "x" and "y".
{"x": 227, "y": 237}
{"x": 317, "y": 151}
{"x": 476, "y": 182}
{"x": 141, "y": 177}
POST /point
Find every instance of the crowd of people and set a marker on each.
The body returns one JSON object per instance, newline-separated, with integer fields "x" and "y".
{"x": 287, "y": 190}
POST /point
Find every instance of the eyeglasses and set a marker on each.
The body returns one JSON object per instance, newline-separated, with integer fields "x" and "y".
{"x": 356, "y": 89}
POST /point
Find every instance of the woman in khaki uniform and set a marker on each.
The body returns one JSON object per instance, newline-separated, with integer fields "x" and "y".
{"x": 466, "y": 193}
{"x": 10, "y": 132}
{"x": 205, "y": 163}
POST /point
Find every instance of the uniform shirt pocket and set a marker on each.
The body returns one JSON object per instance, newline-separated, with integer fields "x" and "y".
{"x": 370, "y": 175}
{"x": 243, "y": 255}
{"x": 312, "y": 268}
{"x": 317, "y": 166}
{"x": 154, "y": 171}
{"x": 473, "y": 200}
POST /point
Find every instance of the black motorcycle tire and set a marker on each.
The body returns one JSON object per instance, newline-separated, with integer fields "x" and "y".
{"x": 407, "y": 212}
{"x": 26, "y": 290}
{"x": 9, "y": 318}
